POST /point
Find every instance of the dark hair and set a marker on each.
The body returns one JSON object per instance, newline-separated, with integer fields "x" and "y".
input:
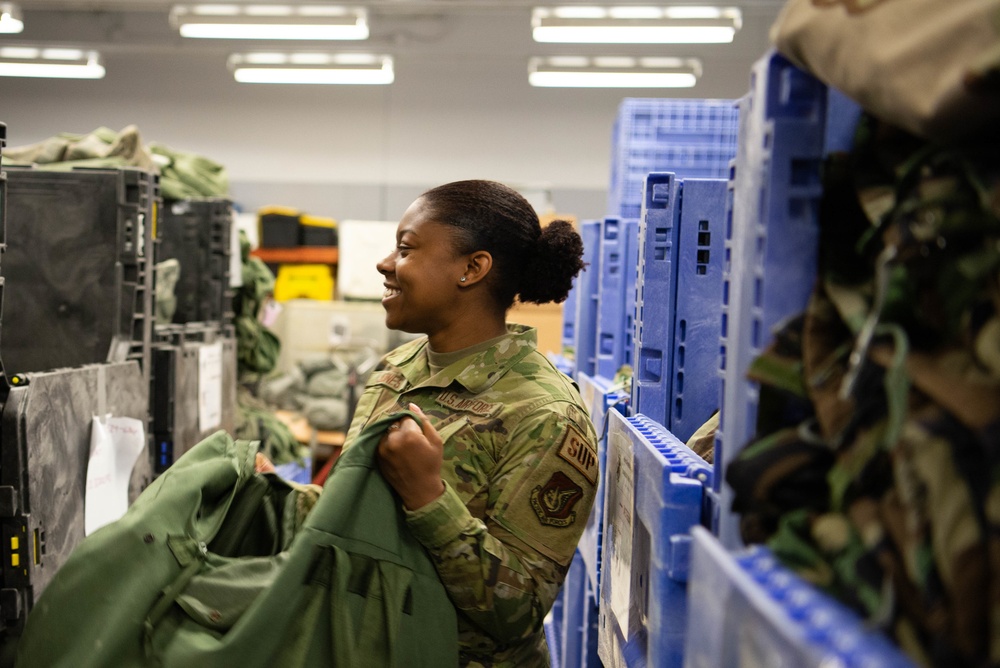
{"x": 535, "y": 264}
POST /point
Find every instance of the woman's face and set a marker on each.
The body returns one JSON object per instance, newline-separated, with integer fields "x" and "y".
{"x": 421, "y": 274}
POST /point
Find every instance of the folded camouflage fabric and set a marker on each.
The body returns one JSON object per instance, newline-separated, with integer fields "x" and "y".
{"x": 875, "y": 471}
{"x": 183, "y": 175}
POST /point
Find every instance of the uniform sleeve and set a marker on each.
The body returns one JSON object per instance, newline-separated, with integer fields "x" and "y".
{"x": 504, "y": 574}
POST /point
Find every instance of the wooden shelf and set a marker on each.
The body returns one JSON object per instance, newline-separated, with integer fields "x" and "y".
{"x": 299, "y": 254}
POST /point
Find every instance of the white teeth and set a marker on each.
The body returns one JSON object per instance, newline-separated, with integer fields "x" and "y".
{"x": 389, "y": 292}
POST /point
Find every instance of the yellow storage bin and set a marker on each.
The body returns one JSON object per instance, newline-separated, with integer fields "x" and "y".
{"x": 303, "y": 281}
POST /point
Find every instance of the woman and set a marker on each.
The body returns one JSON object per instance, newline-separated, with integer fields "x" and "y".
{"x": 499, "y": 476}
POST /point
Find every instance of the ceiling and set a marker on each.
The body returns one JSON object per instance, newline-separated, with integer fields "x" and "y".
{"x": 416, "y": 31}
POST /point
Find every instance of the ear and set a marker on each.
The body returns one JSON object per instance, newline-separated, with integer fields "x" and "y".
{"x": 478, "y": 265}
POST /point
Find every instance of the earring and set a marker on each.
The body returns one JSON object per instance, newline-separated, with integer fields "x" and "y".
{"x": 462, "y": 279}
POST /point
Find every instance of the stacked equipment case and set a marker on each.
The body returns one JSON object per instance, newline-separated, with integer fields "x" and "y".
{"x": 77, "y": 313}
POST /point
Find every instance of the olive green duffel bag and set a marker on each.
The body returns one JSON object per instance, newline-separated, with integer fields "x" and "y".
{"x": 214, "y": 565}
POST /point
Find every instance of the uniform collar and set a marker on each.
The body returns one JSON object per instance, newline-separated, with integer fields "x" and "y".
{"x": 475, "y": 373}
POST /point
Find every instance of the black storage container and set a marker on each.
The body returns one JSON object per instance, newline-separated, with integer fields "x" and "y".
{"x": 45, "y": 431}
{"x": 179, "y": 391}
{"x": 79, "y": 280}
{"x": 196, "y": 232}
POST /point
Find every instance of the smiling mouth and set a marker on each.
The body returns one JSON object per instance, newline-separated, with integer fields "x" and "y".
{"x": 390, "y": 292}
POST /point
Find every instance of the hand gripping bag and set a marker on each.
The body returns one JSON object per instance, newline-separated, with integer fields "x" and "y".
{"x": 212, "y": 567}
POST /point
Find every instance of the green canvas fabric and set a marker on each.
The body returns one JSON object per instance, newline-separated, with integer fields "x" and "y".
{"x": 214, "y": 565}
{"x": 183, "y": 174}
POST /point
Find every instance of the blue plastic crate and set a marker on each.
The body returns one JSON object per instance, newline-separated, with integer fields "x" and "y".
{"x": 569, "y": 309}
{"x": 296, "y": 472}
{"x": 600, "y": 397}
{"x": 789, "y": 123}
{"x": 655, "y": 491}
{"x": 616, "y": 295}
{"x": 552, "y": 625}
{"x": 579, "y": 628}
{"x": 747, "y": 610}
{"x": 675, "y": 379}
{"x": 588, "y": 284}
{"x": 688, "y": 137}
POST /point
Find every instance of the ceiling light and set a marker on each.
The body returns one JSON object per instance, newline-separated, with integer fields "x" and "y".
{"x": 10, "y": 18}
{"x": 635, "y": 25}
{"x": 270, "y": 22}
{"x": 50, "y": 63}
{"x": 613, "y": 72}
{"x": 312, "y": 68}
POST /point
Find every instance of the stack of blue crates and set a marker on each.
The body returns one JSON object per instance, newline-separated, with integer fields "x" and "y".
{"x": 587, "y": 286}
{"x": 690, "y": 138}
{"x": 723, "y": 258}
{"x": 675, "y": 378}
{"x": 655, "y": 494}
{"x": 601, "y": 398}
{"x": 789, "y": 123}
{"x": 619, "y": 253}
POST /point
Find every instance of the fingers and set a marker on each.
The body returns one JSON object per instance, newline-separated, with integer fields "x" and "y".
{"x": 429, "y": 432}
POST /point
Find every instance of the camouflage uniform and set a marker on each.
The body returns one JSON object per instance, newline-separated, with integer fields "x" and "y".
{"x": 875, "y": 471}
{"x": 520, "y": 468}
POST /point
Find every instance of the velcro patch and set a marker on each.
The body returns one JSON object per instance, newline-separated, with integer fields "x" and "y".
{"x": 553, "y": 502}
{"x": 474, "y": 406}
{"x": 580, "y": 453}
{"x": 391, "y": 379}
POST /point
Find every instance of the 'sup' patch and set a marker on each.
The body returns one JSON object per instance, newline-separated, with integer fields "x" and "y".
{"x": 580, "y": 453}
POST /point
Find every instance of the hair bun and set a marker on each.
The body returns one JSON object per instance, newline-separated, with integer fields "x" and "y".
{"x": 558, "y": 258}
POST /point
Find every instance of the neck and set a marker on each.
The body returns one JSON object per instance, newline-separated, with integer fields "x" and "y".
{"x": 472, "y": 332}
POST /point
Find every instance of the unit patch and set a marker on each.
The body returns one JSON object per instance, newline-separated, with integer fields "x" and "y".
{"x": 474, "y": 406}
{"x": 579, "y": 452}
{"x": 553, "y": 502}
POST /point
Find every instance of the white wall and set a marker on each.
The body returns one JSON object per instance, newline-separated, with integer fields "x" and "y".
{"x": 461, "y": 107}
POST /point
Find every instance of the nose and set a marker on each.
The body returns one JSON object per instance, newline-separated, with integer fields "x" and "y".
{"x": 384, "y": 266}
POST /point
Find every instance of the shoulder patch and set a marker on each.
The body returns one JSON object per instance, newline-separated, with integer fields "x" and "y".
{"x": 580, "y": 453}
{"x": 553, "y": 502}
{"x": 391, "y": 379}
{"x": 474, "y": 406}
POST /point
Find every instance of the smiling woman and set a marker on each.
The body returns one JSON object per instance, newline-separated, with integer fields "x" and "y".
{"x": 499, "y": 475}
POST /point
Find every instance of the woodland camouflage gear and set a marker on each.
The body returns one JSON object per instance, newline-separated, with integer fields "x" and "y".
{"x": 876, "y": 468}
{"x": 520, "y": 467}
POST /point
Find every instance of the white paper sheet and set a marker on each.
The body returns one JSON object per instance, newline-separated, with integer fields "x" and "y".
{"x": 210, "y": 386}
{"x": 618, "y": 533}
{"x": 115, "y": 445}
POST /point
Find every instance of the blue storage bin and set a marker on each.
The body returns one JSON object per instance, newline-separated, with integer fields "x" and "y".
{"x": 616, "y": 294}
{"x": 655, "y": 493}
{"x": 552, "y": 625}
{"x": 789, "y": 122}
{"x": 296, "y": 472}
{"x": 681, "y": 234}
{"x": 579, "y": 628}
{"x": 600, "y": 397}
{"x": 747, "y": 610}
{"x": 588, "y": 283}
{"x": 569, "y": 308}
{"x": 688, "y": 137}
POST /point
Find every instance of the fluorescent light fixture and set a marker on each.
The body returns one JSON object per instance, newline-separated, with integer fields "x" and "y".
{"x": 10, "y": 18}
{"x": 613, "y": 72}
{"x": 50, "y": 63}
{"x": 635, "y": 25}
{"x": 289, "y": 22}
{"x": 312, "y": 68}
